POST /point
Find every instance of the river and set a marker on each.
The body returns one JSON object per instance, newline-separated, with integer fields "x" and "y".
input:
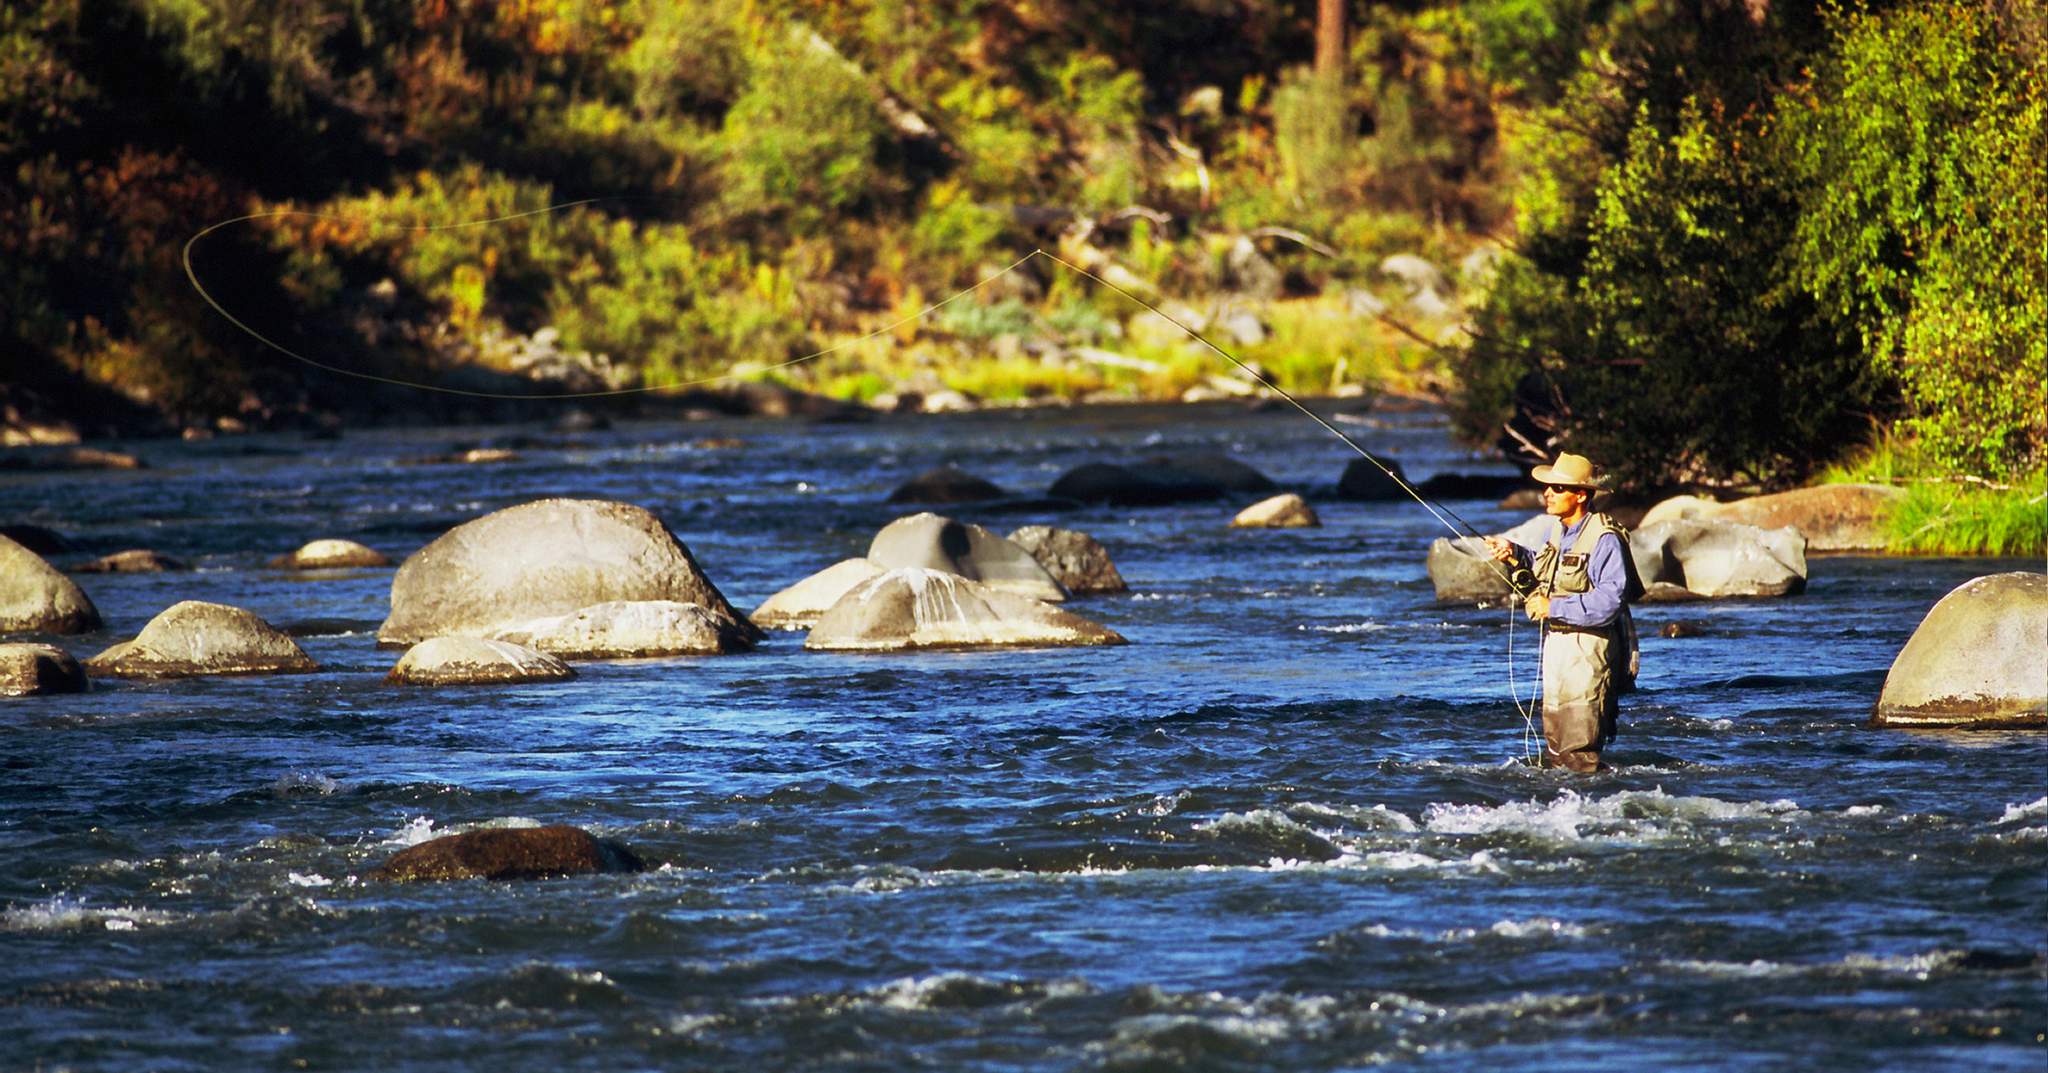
{"x": 1283, "y": 829}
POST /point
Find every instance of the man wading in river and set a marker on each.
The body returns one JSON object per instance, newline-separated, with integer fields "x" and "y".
{"x": 1584, "y": 580}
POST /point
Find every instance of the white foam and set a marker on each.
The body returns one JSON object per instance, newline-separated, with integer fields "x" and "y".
{"x": 1376, "y": 818}
{"x": 1918, "y": 966}
{"x": 2032, "y": 810}
{"x": 1574, "y": 818}
{"x": 298, "y": 880}
{"x": 1257, "y": 821}
{"x": 300, "y": 782}
{"x": 1370, "y": 626}
{"x": 64, "y": 914}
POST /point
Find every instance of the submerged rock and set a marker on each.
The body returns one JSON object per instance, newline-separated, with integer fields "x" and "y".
{"x": 132, "y": 561}
{"x": 946, "y": 484}
{"x": 632, "y": 629}
{"x": 1074, "y": 559}
{"x": 922, "y": 609}
{"x": 30, "y": 670}
{"x": 1286, "y": 511}
{"x": 36, "y": 598}
{"x": 1718, "y": 559}
{"x": 455, "y": 661}
{"x": 331, "y": 555}
{"x": 193, "y": 638}
{"x": 1979, "y": 659}
{"x": 510, "y": 853}
{"x": 799, "y": 606}
{"x": 934, "y": 542}
{"x": 542, "y": 559}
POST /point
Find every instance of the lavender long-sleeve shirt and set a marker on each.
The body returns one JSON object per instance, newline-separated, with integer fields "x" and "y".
{"x": 1597, "y": 606}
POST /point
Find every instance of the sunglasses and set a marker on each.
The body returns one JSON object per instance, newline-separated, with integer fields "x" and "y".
{"x": 1561, "y": 488}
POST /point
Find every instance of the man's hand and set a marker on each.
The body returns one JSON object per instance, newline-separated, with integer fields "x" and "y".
{"x": 1499, "y": 549}
{"x": 1538, "y": 607}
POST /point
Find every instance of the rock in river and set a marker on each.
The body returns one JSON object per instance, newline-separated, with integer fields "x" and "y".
{"x": 1717, "y": 558}
{"x": 29, "y": 669}
{"x": 1832, "y": 517}
{"x": 1076, "y": 560}
{"x": 331, "y": 555}
{"x": 933, "y": 542}
{"x": 1285, "y": 511}
{"x": 1979, "y": 659}
{"x": 915, "y": 608}
{"x": 197, "y": 638}
{"x": 36, "y": 598}
{"x": 946, "y": 484}
{"x": 510, "y": 853}
{"x": 632, "y": 629}
{"x": 799, "y": 606}
{"x": 132, "y": 561}
{"x": 463, "y": 661}
{"x": 542, "y": 559}
{"x": 1461, "y": 572}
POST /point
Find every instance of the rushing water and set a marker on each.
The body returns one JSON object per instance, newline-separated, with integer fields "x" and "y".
{"x": 1283, "y": 829}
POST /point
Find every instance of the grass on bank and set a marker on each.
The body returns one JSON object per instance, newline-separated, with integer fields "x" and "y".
{"x": 1944, "y": 513}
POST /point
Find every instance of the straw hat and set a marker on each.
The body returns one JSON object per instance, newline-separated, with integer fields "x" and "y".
{"x": 1571, "y": 471}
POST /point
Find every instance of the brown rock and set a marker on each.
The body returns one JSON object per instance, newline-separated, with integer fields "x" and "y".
{"x": 1285, "y": 511}
{"x": 36, "y": 598}
{"x": 463, "y": 661}
{"x": 132, "y": 561}
{"x": 331, "y": 555}
{"x": 197, "y": 638}
{"x": 510, "y": 853}
{"x": 28, "y": 669}
{"x": 1833, "y": 517}
{"x": 1073, "y": 558}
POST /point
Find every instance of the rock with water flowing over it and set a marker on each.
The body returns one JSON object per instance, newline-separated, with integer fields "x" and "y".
{"x": 1979, "y": 659}
{"x": 36, "y": 598}
{"x": 799, "y": 606}
{"x": 193, "y": 638}
{"x": 132, "y": 561}
{"x": 28, "y": 670}
{"x": 1718, "y": 559}
{"x": 510, "y": 853}
{"x": 1462, "y": 573}
{"x": 542, "y": 559}
{"x": 1832, "y": 517}
{"x": 1285, "y": 511}
{"x": 946, "y": 484}
{"x": 331, "y": 555}
{"x": 631, "y": 629}
{"x": 467, "y": 661}
{"x": 1076, "y": 560}
{"x": 934, "y": 542}
{"x": 925, "y": 609}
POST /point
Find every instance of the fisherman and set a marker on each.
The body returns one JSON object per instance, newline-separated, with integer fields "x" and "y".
{"x": 1583, "y": 579}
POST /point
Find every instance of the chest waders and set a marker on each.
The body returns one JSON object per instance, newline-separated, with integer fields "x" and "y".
{"x": 1585, "y": 669}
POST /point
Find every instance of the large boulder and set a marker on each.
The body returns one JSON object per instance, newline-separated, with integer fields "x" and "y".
{"x": 799, "y": 606}
{"x": 36, "y": 598}
{"x": 28, "y": 669}
{"x": 463, "y": 661}
{"x": 631, "y": 629}
{"x": 331, "y": 554}
{"x": 922, "y": 609}
{"x": 1284, "y": 511}
{"x": 1076, "y": 560}
{"x": 1833, "y": 517}
{"x": 1463, "y": 573}
{"x": 197, "y": 638}
{"x": 946, "y": 484}
{"x": 1716, "y": 559}
{"x": 1158, "y": 481}
{"x": 932, "y": 542}
{"x": 1366, "y": 482}
{"x": 510, "y": 853}
{"x": 1979, "y": 659}
{"x": 541, "y": 559}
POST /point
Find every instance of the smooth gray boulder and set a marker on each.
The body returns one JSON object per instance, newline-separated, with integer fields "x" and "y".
{"x": 36, "y": 597}
{"x": 933, "y": 542}
{"x": 1284, "y": 511}
{"x": 192, "y": 638}
{"x": 461, "y": 661}
{"x": 331, "y": 555}
{"x": 1718, "y": 559}
{"x": 542, "y": 559}
{"x": 929, "y": 609}
{"x": 799, "y": 606}
{"x": 1462, "y": 573}
{"x": 28, "y": 670}
{"x": 1076, "y": 560}
{"x": 1978, "y": 660}
{"x": 631, "y": 629}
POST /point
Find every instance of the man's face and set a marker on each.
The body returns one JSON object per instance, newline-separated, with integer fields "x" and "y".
{"x": 1561, "y": 501}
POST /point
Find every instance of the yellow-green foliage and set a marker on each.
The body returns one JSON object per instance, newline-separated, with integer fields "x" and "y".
{"x": 1946, "y": 514}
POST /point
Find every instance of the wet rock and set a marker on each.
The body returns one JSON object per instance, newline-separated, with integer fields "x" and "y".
{"x": 1462, "y": 573}
{"x": 331, "y": 555}
{"x": 1366, "y": 482}
{"x": 69, "y": 458}
{"x": 1979, "y": 659}
{"x": 1074, "y": 559}
{"x": 510, "y": 853}
{"x": 932, "y": 542}
{"x": 928, "y": 609}
{"x": 1159, "y": 481}
{"x": 452, "y": 661}
{"x": 28, "y": 670}
{"x": 1285, "y": 511}
{"x": 1833, "y": 517}
{"x": 632, "y": 629}
{"x": 37, "y": 598}
{"x": 946, "y": 484}
{"x": 799, "y": 606}
{"x": 193, "y": 638}
{"x": 539, "y": 560}
{"x": 1720, "y": 559}
{"x": 38, "y": 539}
{"x": 132, "y": 561}
{"x": 1680, "y": 629}
{"x": 1230, "y": 474}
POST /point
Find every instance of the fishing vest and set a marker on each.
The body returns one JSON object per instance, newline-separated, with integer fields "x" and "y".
{"x": 1568, "y": 573}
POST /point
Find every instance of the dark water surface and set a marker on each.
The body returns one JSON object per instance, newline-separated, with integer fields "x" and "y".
{"x": 1283, "y": 829}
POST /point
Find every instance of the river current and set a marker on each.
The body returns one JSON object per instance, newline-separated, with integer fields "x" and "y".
{"x": 1283, "y": 829}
